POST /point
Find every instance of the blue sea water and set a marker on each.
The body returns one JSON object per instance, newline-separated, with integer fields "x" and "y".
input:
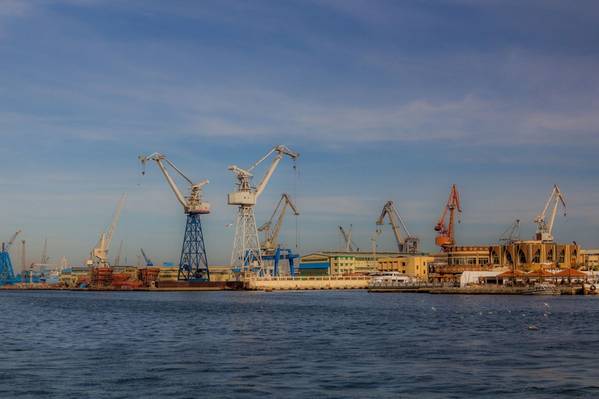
{"x": 348, "y": 344}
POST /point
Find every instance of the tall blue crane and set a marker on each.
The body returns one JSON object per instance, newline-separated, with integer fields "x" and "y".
{"x": 193, "y": 264}
{"x": 7, "y": 273}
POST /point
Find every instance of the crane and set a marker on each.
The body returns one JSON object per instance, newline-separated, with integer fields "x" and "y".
{"x": 445, "y": 233}
{"x": 99, "y": 255}
{"x": 349, "y": 244}
{"x": 545, "y": 228}
{"x": 410, "y": 244}
{"x": 512, "y": 233}
{"x": 246, "y": 252}
{"x": 117, "y": 258}
{"x": 193, "y": 263}
{"x": 148, "y": 261}
{"x": 45, "y": 258}
{"x": 7, "y": 273}
{"x": 271, "y": 234}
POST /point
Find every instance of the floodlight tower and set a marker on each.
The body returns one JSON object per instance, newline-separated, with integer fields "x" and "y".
{"x": 246, "y": 253}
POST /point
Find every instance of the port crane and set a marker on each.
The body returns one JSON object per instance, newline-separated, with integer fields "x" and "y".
{"x": 270, "y": 246}
{"x": 446, "y": 233}
{"x": 545, "y": 227}
{"x": 7, "y": 273}
{"x": 409, "y": 244}
{"x": 148, "y": 260}
{"x": 349, "y": 243}
{"x": 512, "y": 234}
{"x": 99, "y": 254}
{"x": 246, "y": 254}
{"x": 193, "y": 263}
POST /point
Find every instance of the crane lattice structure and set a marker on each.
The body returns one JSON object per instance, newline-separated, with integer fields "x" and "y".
{"x": 193, "y": 263}
{"x": 99, "y": 255}
{"x": 512, "y": 234}
{"x": 7, "y": 273}
{"x": 347, "y": 238}
{"x": 446, "y": 233}
{"x": 409, "y": 244}
{"x": 545, "y": 228}
{"x": 270, "y": 246}
{"x": 246, "y": 255}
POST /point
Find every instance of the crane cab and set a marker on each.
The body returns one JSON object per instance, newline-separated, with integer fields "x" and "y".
{"x": 202, "y": 208}
{"x": 241, "y": 198}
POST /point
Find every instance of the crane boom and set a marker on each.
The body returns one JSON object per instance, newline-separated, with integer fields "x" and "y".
{"x": 191, "y": 204}
{"x": 544, "y": 229}
{"x": 148, "y": 261}
{"x": 410, "y": 243}
{"x": 446, "y": 233}
{"x": 11, "y": 240}
{"x": 347, "y": 238}
{"x": 99, "y": 254}
{"x": 271, "y": 237}
{"x": 511, "y": 234}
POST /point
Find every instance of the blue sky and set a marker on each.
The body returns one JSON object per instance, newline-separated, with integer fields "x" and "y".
{"x": 383, "y": 99}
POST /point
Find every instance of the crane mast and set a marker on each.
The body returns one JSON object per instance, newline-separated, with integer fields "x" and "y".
{"x": 7, "y": 274}
{"x": 193, "y": 263}
{"x": 544, "y": 228}
{"x": 246, "y": 254}
{"x": 99, "y": 255}
{"x": 446, "y": 234}
{"x": 410, "y": 244}
{"x": 271, "y": 235}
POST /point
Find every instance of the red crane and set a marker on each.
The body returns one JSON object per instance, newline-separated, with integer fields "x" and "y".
{"x": 445, "y": 237}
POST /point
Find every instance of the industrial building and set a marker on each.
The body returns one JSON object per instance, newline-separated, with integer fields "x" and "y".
{"x": 416, "y": 266}
{"x": 533, "y": 255}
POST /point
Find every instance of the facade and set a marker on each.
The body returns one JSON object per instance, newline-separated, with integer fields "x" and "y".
{"x": 448, "y": 266}
{"x": 590, "y": 258}
{"x": 415, "y": 266}
{"x": 533, "y": 255}
{"x": 341, "y": 263}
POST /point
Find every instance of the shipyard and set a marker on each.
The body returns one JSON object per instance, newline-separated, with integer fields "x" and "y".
{"x": 259, "y": 261}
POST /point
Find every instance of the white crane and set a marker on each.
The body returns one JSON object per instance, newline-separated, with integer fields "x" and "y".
{"x": 544, "y": 227}
{"x": 349, "y": 244}
{"x": 193, "y": 202}
{"x": 411, "y": 243}
{"x": 246, "y": 245}
{"x": 193, "y": 263}
{"x": 511, "y": 234}
{"x": 99, "y": 255}
{"x": 271, "y": 235}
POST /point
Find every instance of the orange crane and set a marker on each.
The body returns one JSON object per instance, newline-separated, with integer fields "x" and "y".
{"x": 445, "y": 237}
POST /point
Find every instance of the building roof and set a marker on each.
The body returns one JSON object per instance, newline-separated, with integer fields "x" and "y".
{"x": 571, "y": 273}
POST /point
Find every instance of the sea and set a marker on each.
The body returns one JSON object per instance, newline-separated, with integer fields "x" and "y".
{"x": 311, "y": 344}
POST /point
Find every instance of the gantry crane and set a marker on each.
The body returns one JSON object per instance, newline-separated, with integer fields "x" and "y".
{"x": 99, "y": 255}
{"x": 148, "y": 260}
{"x": 446, "y": 233}
{"x": 7, "y": 273}
{"x": 347, "y": 240}
{"x": 193, "y": 264}
{"x": 246, "y": 252}
{"x": 409, "y": 244}
{"x": 545, "y": 228}
{"x": 512, "y": 234}
{"x": 270, "y": 246}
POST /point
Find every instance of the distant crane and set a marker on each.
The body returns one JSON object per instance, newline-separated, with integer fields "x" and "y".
{"x": 246, "y": 254}
{"x": 23, "y": 256}
{"x": 347, "y": 238}
{"x": 99, "y": 255}
{"x": 193, "y": 263}
{"x": 271, "y": 234}
{"x": 446, "y": 234}
{"x": 45, "y": 258}
{"x": 7, "y": 273}
{"x": 409, "y": 244}
{"x": 117, "y": 258}
{"x": 545, "y": 228}
{"x": 512, "y": 234}
{"x": 270, "y": 247}
{"x": 148, "y": 261}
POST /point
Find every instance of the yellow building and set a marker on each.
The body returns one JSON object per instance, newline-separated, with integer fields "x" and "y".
{"x": 341, "y": 263}
{"x": 532, "y": 255}
{"x": 416, "y": 266}
{"x": 590, "y": 258}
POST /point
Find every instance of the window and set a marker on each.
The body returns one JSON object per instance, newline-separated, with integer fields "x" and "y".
{"x": 508, "y": 258}
{"x": 495, "y": 258}
{"x": 550, "y": 255}
{"x": 562, "y": 256}
{"x": 483, "y": 261}
{"x": 521, "y": 256}
{"x": 472, "y": 261}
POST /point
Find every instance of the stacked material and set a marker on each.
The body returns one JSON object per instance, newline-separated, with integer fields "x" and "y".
{"x": 149, "y": 275}
{"x": 125, "y": 281}
{"x": 101, "y": 277}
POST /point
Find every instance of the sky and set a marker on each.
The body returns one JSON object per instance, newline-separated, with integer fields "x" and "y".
{"x": 384, "y": 100}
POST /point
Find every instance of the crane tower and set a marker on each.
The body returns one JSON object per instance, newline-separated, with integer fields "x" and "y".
{"x": 7, "y": 273}
{"x": 99, "y": 255}
{"x": 409, "y": 244}
{"x": 193, "y": 264}
{"x": 246, "y": 254}
{"x": 545, "y": 227}
{"x": 446, "y": 234}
